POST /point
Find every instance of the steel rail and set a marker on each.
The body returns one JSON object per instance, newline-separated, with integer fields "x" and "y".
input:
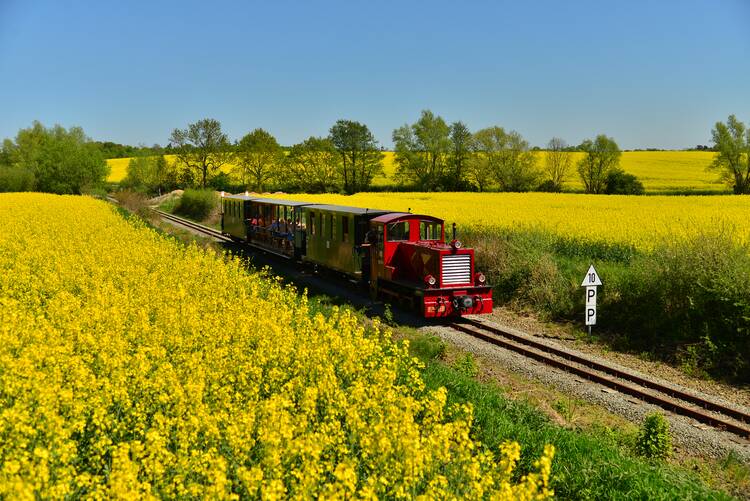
{"x": 622, "y": 381}
{"x": 193, "y": 225}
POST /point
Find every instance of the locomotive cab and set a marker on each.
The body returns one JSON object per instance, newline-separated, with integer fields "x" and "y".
{"x": 412, "y": 263}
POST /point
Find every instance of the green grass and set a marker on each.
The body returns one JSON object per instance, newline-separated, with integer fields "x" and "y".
{"x": 587, "y": 465}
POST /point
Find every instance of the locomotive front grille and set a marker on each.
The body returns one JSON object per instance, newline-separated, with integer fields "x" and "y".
{"x": 456, "y": 269}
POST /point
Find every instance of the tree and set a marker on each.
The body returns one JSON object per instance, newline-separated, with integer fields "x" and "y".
{"x": 422, "y": 151}
{"x": 602, "y": 155}
{"x": 732, "y": 143}
{"x": 557, "y": 162}
{"x": 620, "y": 182}
{"x": 507, "y": 157}
{"x": 60, "y": 160}
{"x": 462, "y": 141}
{"x": 314, "y": 165}
{"x": 361, "y": 160}
{"x": 202, "y": 148}
{"x": 258, "y": 156}
{"x": 150, "y": 174}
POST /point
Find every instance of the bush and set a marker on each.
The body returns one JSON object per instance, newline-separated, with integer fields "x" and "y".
{"x": 16, "y": 179}
{"x": 654, "y": 440}
{"x": 685, "y": 301}
{"x": 466, "y": 365}
{"x": 691, "y": 296}
{"x": 197, "y": 204}
{"x": 621, "y": 183}
{"x": 549, "y": 186}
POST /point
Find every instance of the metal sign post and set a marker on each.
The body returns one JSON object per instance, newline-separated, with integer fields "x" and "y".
{"x": 591, "y": 281}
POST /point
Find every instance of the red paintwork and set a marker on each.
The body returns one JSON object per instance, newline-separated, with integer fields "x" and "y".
{"x": 407, "y": 262}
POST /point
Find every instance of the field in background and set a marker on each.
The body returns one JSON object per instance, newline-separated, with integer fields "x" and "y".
{"x": 619, "y": 219}
{"x": 660, "y": 171}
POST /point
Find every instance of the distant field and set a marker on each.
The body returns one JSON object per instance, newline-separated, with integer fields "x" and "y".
{"x": 660, "y": 171}
{"x": 638, "y": 221}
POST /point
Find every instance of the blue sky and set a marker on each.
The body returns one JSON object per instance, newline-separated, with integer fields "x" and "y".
{"x": 648, "y": 73}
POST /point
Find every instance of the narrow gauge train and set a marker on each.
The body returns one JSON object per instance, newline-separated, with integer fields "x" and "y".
{"x": 402, "y": 257}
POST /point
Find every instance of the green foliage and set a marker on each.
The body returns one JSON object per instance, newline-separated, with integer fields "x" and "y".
{"x": 686, "y": 300}
{"x": 690, "y": 297}
{"x": 732, "y": 141}
{"x": 422, "y": 150}
{"x": 462, "y": 143}
{"x": 314, "y": 166}
{"x": 503, "y": 158}
{"x": 116, "y": 150}
{"x": 428, "y": 347}
{"x": 150, "y": 174}
{"x": 200, "y": 149}
{"x": 586, "y": 466}
{"x": 258, "y": 159}
{"x": 361, "y": 160}
{"x": 16, "y": 179}
{"x": 388, "y": 315}
{"x": 557, "y": 163}
{"x": 197, "y": 204}
{"x": 654, "y": 440}
{"x": 621, "y": 183}
{"x": 58, "y": 160}
{"x": 602, "y": 155}
{"x": 466, "y": 365}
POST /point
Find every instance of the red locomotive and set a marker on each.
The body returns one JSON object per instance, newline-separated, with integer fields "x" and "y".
{"x": 412, "y": 263}
{"x": 401, "y": 257}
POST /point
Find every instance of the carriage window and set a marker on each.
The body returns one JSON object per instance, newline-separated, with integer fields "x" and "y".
{"x": 429, "y": 230}
{"x": 344, "y": 228}
{"x": 312, "y": 223}
{"x": 398, "y": 231}
{"x": 330, "y": 226}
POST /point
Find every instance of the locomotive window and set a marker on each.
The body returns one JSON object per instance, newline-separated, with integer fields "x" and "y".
{"x": 398, "y": 231}
{"x": 344, "y": 228}
{"x": 429, "y": 230}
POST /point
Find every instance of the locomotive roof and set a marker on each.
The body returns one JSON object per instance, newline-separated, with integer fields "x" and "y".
{"x": 347, "y": 209}
{"x": 392, "y": 217}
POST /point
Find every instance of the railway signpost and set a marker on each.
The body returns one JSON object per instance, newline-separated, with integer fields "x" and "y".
{"x": 591, "y": 281}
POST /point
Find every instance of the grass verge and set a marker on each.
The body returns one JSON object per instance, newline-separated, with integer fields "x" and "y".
{"x": 594, "y": 462}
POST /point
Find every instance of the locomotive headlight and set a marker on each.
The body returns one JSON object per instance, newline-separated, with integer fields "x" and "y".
{"x": 456, "y": 244}
{"x": 430, "y": 280}
{"x": 480, "y": 278}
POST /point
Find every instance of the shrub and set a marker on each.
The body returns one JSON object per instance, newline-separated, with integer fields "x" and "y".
{"x": 549, "y": 186}
{"x": 135, "y": 202}
{"x": 691, "y": 295}
{"x": 16, "y": 179}
{"x": 654, "y": 440}
{"x": 620, "y": 182}
{"x": 197, "y": 204}
{"x": 466, "y": 365}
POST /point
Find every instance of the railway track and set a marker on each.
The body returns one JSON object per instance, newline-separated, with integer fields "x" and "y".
{"x": 680, "y": 402}
{"x": 193, "y": 225}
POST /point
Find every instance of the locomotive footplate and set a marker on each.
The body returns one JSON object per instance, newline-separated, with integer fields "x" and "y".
{"x": 443, "y": 302}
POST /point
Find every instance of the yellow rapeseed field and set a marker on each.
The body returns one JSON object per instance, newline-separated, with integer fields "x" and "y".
{"x": 631, "y": 220}
{"x": 132, "y": 367}
{"x": 660, "y": 171}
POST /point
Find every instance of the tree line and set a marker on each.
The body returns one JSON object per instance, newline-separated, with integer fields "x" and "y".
{"x": 430, "y": 155}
